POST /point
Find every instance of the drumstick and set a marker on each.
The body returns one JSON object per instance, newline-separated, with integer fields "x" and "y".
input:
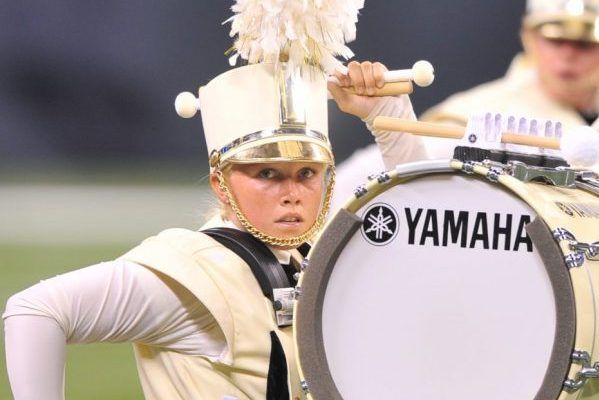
{"x": 388, "y": 89}
{"x": 422, "y": 74}
{"x": 535, "y": 141}
{"x": 398, "y": 82}
{"x": 579, "y": 147}
{"x": 451, "y": 132}
{"x": 418, "y": 128}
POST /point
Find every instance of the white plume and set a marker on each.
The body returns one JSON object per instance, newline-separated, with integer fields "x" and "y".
{"x": 303, "y": 31}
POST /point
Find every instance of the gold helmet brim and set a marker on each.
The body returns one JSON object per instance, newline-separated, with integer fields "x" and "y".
{"x": 283, "y": 151}
{"x": 584, "y": 27}
{"x": 282, "y": 145}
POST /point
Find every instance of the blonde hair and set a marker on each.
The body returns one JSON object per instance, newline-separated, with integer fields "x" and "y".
{"x": 220, "y": 208}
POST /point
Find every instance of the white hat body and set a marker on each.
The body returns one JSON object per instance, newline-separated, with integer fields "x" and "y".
{"x": 247, "y": 100}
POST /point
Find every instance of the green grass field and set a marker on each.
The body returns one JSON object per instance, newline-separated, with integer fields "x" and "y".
{"x": 94, "y": 372}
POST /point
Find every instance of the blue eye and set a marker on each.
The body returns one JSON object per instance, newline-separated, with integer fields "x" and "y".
{"x": 267, "y": 173}
{"x": 307, "y": 173}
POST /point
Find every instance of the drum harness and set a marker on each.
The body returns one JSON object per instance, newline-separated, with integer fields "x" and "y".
{"x": 275, "y": 282}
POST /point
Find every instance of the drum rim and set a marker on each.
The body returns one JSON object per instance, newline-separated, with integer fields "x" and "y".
{"x": 317, "y": 379}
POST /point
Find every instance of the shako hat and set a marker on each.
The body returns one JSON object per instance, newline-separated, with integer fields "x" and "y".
{"x": 262, "y": 113}
{"x": 275, "y": 108}
{"x": 564, "y": 19}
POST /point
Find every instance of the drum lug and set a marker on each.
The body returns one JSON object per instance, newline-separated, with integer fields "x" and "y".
{"x": 580, "y": 250}
{"x": 360, "y": 191}
{"x": 560, "y": 176}
{"x": 560, "y": 234}
{"x": 305, "y": 387}
{"x": 468, "y": 167}
{"x": 574, "y": 260}
{"x": 383, "y": 177}
{"x": 586, "y": 372}
{"x": 494, "y": 173}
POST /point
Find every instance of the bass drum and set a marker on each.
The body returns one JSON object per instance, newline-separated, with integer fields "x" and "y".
{"x": 432, "y": 283}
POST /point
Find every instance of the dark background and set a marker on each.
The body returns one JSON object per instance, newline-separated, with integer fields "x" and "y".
{"x": 94, "y": 82}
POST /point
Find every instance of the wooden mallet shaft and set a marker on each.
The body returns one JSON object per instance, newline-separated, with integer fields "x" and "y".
{"x": 389, "y": 89}
{"x": 418, "y": 128}
{"x": 452, "y": 132}
{"x": 536, "y": 141}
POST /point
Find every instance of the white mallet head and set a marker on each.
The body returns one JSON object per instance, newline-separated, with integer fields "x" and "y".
{"x": 580, "y": 147}
{"x": 187, "y": 105}
{"x": 424, "y": 73}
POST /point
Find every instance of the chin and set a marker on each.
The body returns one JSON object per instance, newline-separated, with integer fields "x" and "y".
{"x": 288, "y": 232}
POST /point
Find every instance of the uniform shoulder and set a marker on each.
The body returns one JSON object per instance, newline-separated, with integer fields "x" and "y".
{"x": 180, "y": 239}
{"x": 461, "y": 105}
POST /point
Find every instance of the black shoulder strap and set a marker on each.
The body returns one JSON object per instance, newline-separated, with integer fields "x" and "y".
{"x": 264, "y": 265}
{"x": 270, "y": 275}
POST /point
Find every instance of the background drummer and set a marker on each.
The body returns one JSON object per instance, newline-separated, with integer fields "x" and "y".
{"x": 556, "y": 77}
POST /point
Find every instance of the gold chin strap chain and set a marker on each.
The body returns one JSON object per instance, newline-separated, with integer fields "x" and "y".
{"x": 274, "y": 241}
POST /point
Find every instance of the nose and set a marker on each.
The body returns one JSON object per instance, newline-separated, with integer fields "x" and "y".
{"x": 568, "y": 49}
{"x": 290, "y": 193}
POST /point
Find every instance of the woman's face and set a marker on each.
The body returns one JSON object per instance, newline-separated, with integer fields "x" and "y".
{"x": 567, "y": 68}
{"x": 280, "y": 199}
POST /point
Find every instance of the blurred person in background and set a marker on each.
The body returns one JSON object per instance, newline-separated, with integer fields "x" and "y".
{"x": 556, "y": 77}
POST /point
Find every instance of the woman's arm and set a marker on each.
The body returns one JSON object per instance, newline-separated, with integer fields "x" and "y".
{"x": 395, "y": 147}
{"x": 35, "y": 357}
{"x": 117, "y": 301}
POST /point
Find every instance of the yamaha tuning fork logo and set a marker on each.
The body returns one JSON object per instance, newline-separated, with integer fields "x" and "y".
{"x": 380, "y": 224}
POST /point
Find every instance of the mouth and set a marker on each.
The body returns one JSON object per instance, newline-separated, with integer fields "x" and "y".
{"x": 568, "y": 75}
{"x": 290, "y": 220}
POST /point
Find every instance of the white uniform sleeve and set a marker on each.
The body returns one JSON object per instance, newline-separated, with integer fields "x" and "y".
{"x": 396, "y": 147}
{"x": 117, "y": 301}
{"x": 35, "y": 357}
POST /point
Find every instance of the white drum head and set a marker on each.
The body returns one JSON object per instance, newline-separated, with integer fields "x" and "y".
{"x": 439, "y": 294}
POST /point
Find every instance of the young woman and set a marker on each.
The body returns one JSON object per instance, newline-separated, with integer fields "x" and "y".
{"x": 200, "y": 324}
